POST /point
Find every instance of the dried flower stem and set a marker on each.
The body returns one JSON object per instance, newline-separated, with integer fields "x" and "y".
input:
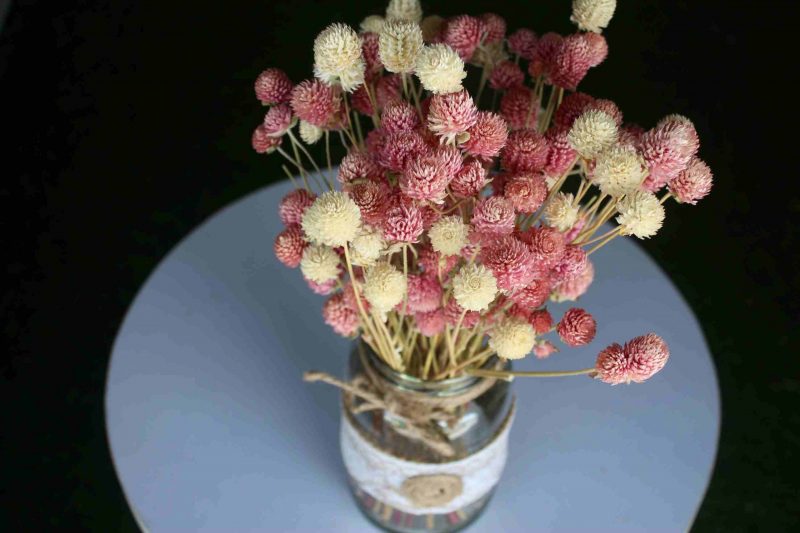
{"x": 508, "y": 375}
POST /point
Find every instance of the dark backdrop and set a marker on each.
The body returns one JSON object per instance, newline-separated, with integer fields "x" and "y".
{"x": 127, "y": 123}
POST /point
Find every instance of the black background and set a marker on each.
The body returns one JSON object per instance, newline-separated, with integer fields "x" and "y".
{"x": 127, "y": 123}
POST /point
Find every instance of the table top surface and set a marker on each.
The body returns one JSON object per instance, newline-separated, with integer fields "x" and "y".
{"x": 211, "y": 427}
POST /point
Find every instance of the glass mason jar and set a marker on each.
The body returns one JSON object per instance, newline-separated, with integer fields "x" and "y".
{"x": 423, "y": 456}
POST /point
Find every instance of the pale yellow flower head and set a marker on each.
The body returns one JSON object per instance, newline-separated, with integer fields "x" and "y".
{"x": 309, "y": 132}
{"x": 337, "y": 57}
{"x": 593, "y": 15}
{"x": 367, "y": 247}
{"x": 333, "y": 219}
{"x": 619, "y": 170}
{"x": 560, "y": 213}
{"x": 399, "y": 45}
{"x": 448, "y": 235}
{"x": 372, "y": 23}
{"x": 384, "y": 287}
{"x": 640, "y": 214}
{"x": 512, "y": 338}
{"x": 408, "y": 10}
{"x": 320, "y": 263}
{"x": 592, "y": 132}
{"x": 474, "y": 287}
{"x": 440, "y": 69}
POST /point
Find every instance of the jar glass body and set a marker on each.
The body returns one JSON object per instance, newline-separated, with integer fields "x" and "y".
{"x": 400, "y": 479}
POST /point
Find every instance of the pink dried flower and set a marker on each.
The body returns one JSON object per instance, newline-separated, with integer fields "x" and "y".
{"x": 533, "y": 295}
{"x": 432, "y": 261}
{"x": 523, "y": 43}
{"x": 400, "y": 148}
{"x": 487, "y": 136}
{"x": 519, "y": 107}
{"x": 510, "y": 261}
{"x": 349, "y": 296}
{"x": 608, "y": 107}
{"x": 360, "y": 101}
{"x": 526, "y": 192}
{"x": 424, "y": 293}
{"x": 277, "y": 120}
{"x": 561, "y": 156}
{"x": 577, "y": 327}
{"x": 450, "y": 158}
{"x": 571, "y": 108}
{"x": 388, "y": 88}
{"x": 404, "y": 222}
{"x": 544, "y": 349}
{"x": 570, "y": 62}
{"x": 547, "y": 47}
{"x": 541, "y": 320}
{"x": 525, "y": 151}
{"x": 470, "y": 180}
{"x": 638, "y": 361}
{"x": 429, "y": 217}
{"x": 322, "y": 289}
{"x": 357, "y": 165}
{"x": 693, "y": 183}
{"x": 370, "y": 197}
{"x": 451, "y": 114}
{"x": 506, "y": 75}
{"x": 294, "y": 204}
{"x": 631, "y": 134}
{"x": 339, "y": 316}
{"x": 668, "y": 148}
{"x": 289, "y": 246}
{"x": 315, "y": 102}
{"x": 598, "y": 47}
{"x": 463, "y": 34}
{"x": 571, "y": 264}
{"x": 399, "y": 115}
{"x": 499, "y": 181}
{"x": 494, "y": 215}
{"x": 273, "y": 86}
{"x": 430, "y": 323}
{"x": 495, "y": 28}
{"x": 547, "y": 245}
{"x": 575, "y": 287}
{"x": 262, "y": 142}
{"x": 452, "y": 312}
{"x": 425, "y": 179}
{"x": 372, "y": 59}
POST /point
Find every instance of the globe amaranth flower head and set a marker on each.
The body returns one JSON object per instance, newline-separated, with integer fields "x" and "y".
{"x": 474, "y": 287}
{"x": 526, "y": 150}
{"x": 512, "y": 338}
{"x": 294, "y": 204}
{"x": 372, "y": 24}
{"x": 636, "y": 362}
{"x": 273, "y": 86}
{"x": 333, "y": 219}
{"x": 668, "y": 148}
{"x": 310, "y": 133}
{"x": 519, "y": 107}
{"x": 278, "y": 120}
{"x": 425, "y": 179}
{"x": 511, "y": 262}
{"x": 400, "y": 43}
{"x": 384, "y": 287}
{"x": 289, "y": 246}
{"x": 337, "y": 57}
{"x": 440, "y": 69}
{"x": 470, "y": 180}
{"x": 619, "y": 170}
{"x": 561, "y": 211}
{"x": 693, "y": 183}
{"x": 449, "y": 235}
{"x": 463, "y": 34}
{"x": 424, "y": 293}
{"x": 576, "y": 327}
{"x": 262, "y": 142}
{"x": 593, "y": 15}
{"x": 640, "y": 214}
{"x": 367, "y": 247}
{"x": 487, "y": 136}
{"x": 494, "y": 215}
{"x": 526, "y": 192}
{"x": 592, "y": 132}
{"x": 451, "y": 115}
{"x": 320, "y": 263}
{"x": 506, "y": 75}
{"x": 339, "y": 316}
{"x": 315, "y": 102}
{"x": 409, "y": 10}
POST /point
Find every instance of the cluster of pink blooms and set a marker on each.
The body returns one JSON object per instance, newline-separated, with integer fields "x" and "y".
{"x": 417, "y": 159}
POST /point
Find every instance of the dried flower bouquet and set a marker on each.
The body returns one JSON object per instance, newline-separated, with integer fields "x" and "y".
{"x": 448, "y": 226}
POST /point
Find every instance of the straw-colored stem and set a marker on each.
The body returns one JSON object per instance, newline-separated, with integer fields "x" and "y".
{"x": 509, "y": 374}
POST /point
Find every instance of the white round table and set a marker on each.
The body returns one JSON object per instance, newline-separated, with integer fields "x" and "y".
{"x": 211, "y": 427}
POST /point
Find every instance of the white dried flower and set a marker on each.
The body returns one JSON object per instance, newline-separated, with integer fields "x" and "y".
{"x": 320, "y": 263}
{"x": 399, "y": 45}
{"x": 474, "y": 287}
{"x": 449, "y": 235}
{"x": 440, "y": 69}
{"x": 431, "y": 26}
{"x": 367, "y": 247}
{"x": 619, "y": 170}
{"x": 333, "y": 219}
{"x": 512, "y": 338}
{"x": 408, "y": 10}
{"x": 384, "y": 287}
{"x": 337, "y": 57}
{"x": 372, "y": 23}
{"x": 640, "y": 214}
{"x": 592, "y": 15}
{"x": 309, "y": 132}
{"x": 592, "y": 132}
{"x": 560, "y": 212}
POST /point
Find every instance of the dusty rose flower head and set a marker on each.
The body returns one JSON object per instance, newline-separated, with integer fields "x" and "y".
{"x": 487, "y": 136}
{"x": 403, "y": 222}
{"x": 399, "y": 148}
{"x": 547, "y": 245}
{"x": 440, "y": 69}
{"x": 592, "y": 15}
{"x": 523, "y": 43}
{"x": 470, "y": 180}
{"x": 450, "y": 158}
{"x": 452, "y": 312}
{"x": 560, "y": 156}
{"x": 510, "y": 261}
{"x": 640, "y": 214}
{"x": 571, "y": 108}
{"x": 409, "y": 10}
{"x": 577, "y": 327}
{"x": 638, "y": 361}
{"x": 349, "y": 295}
{"x": 339, "y": 316}
{"x": 451, "y": 115}
{"x": 592, "y": 132}
{"x": 324, "y": 288}
{"x": 494, "y": 215}
{"x": 598, "y": 48}
{"x": 399, "y": 115}
{"x": 526, "y": 150}
{"x": 289, "y": 246}
{"x": 463, "y": 34}
{"x": 357, "y": 165}
{"x": 561, "y": 211}
{"x": 278, "y": 120}
{"x": 533, "y": 295}
{"x": 433, "y": 263}
{"x": 571, "y": 62}
{"x": 273, "y": 86}
{"x": 526, "y": 192}
{"x": 573, "y": 288}
{"x": 512, "y": 338}
{"x": 668, "y": 148}
{"x": 337, "y": 57}
{"x": 547, "y": 47}
{"x": 430, "y": 323}
{"x": 315, "y": 102}
{"x": 693, "y": 183}
{"x": 262, "y": 142}
{"x": 506, "y": 75}
{"x": 424, "y": 293}
{"x": 519, "y": 107}
{"x": 495, "y": 28}
{"x": 541, "y": 320}
{"x": 573, "y": 263}
{"x": 370, "y": 51}
{"x": 544, "y": 349}
{"x": 425, "y": 179}
{"x": 400, "y": 45}
{"x": 294, "y": 204}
